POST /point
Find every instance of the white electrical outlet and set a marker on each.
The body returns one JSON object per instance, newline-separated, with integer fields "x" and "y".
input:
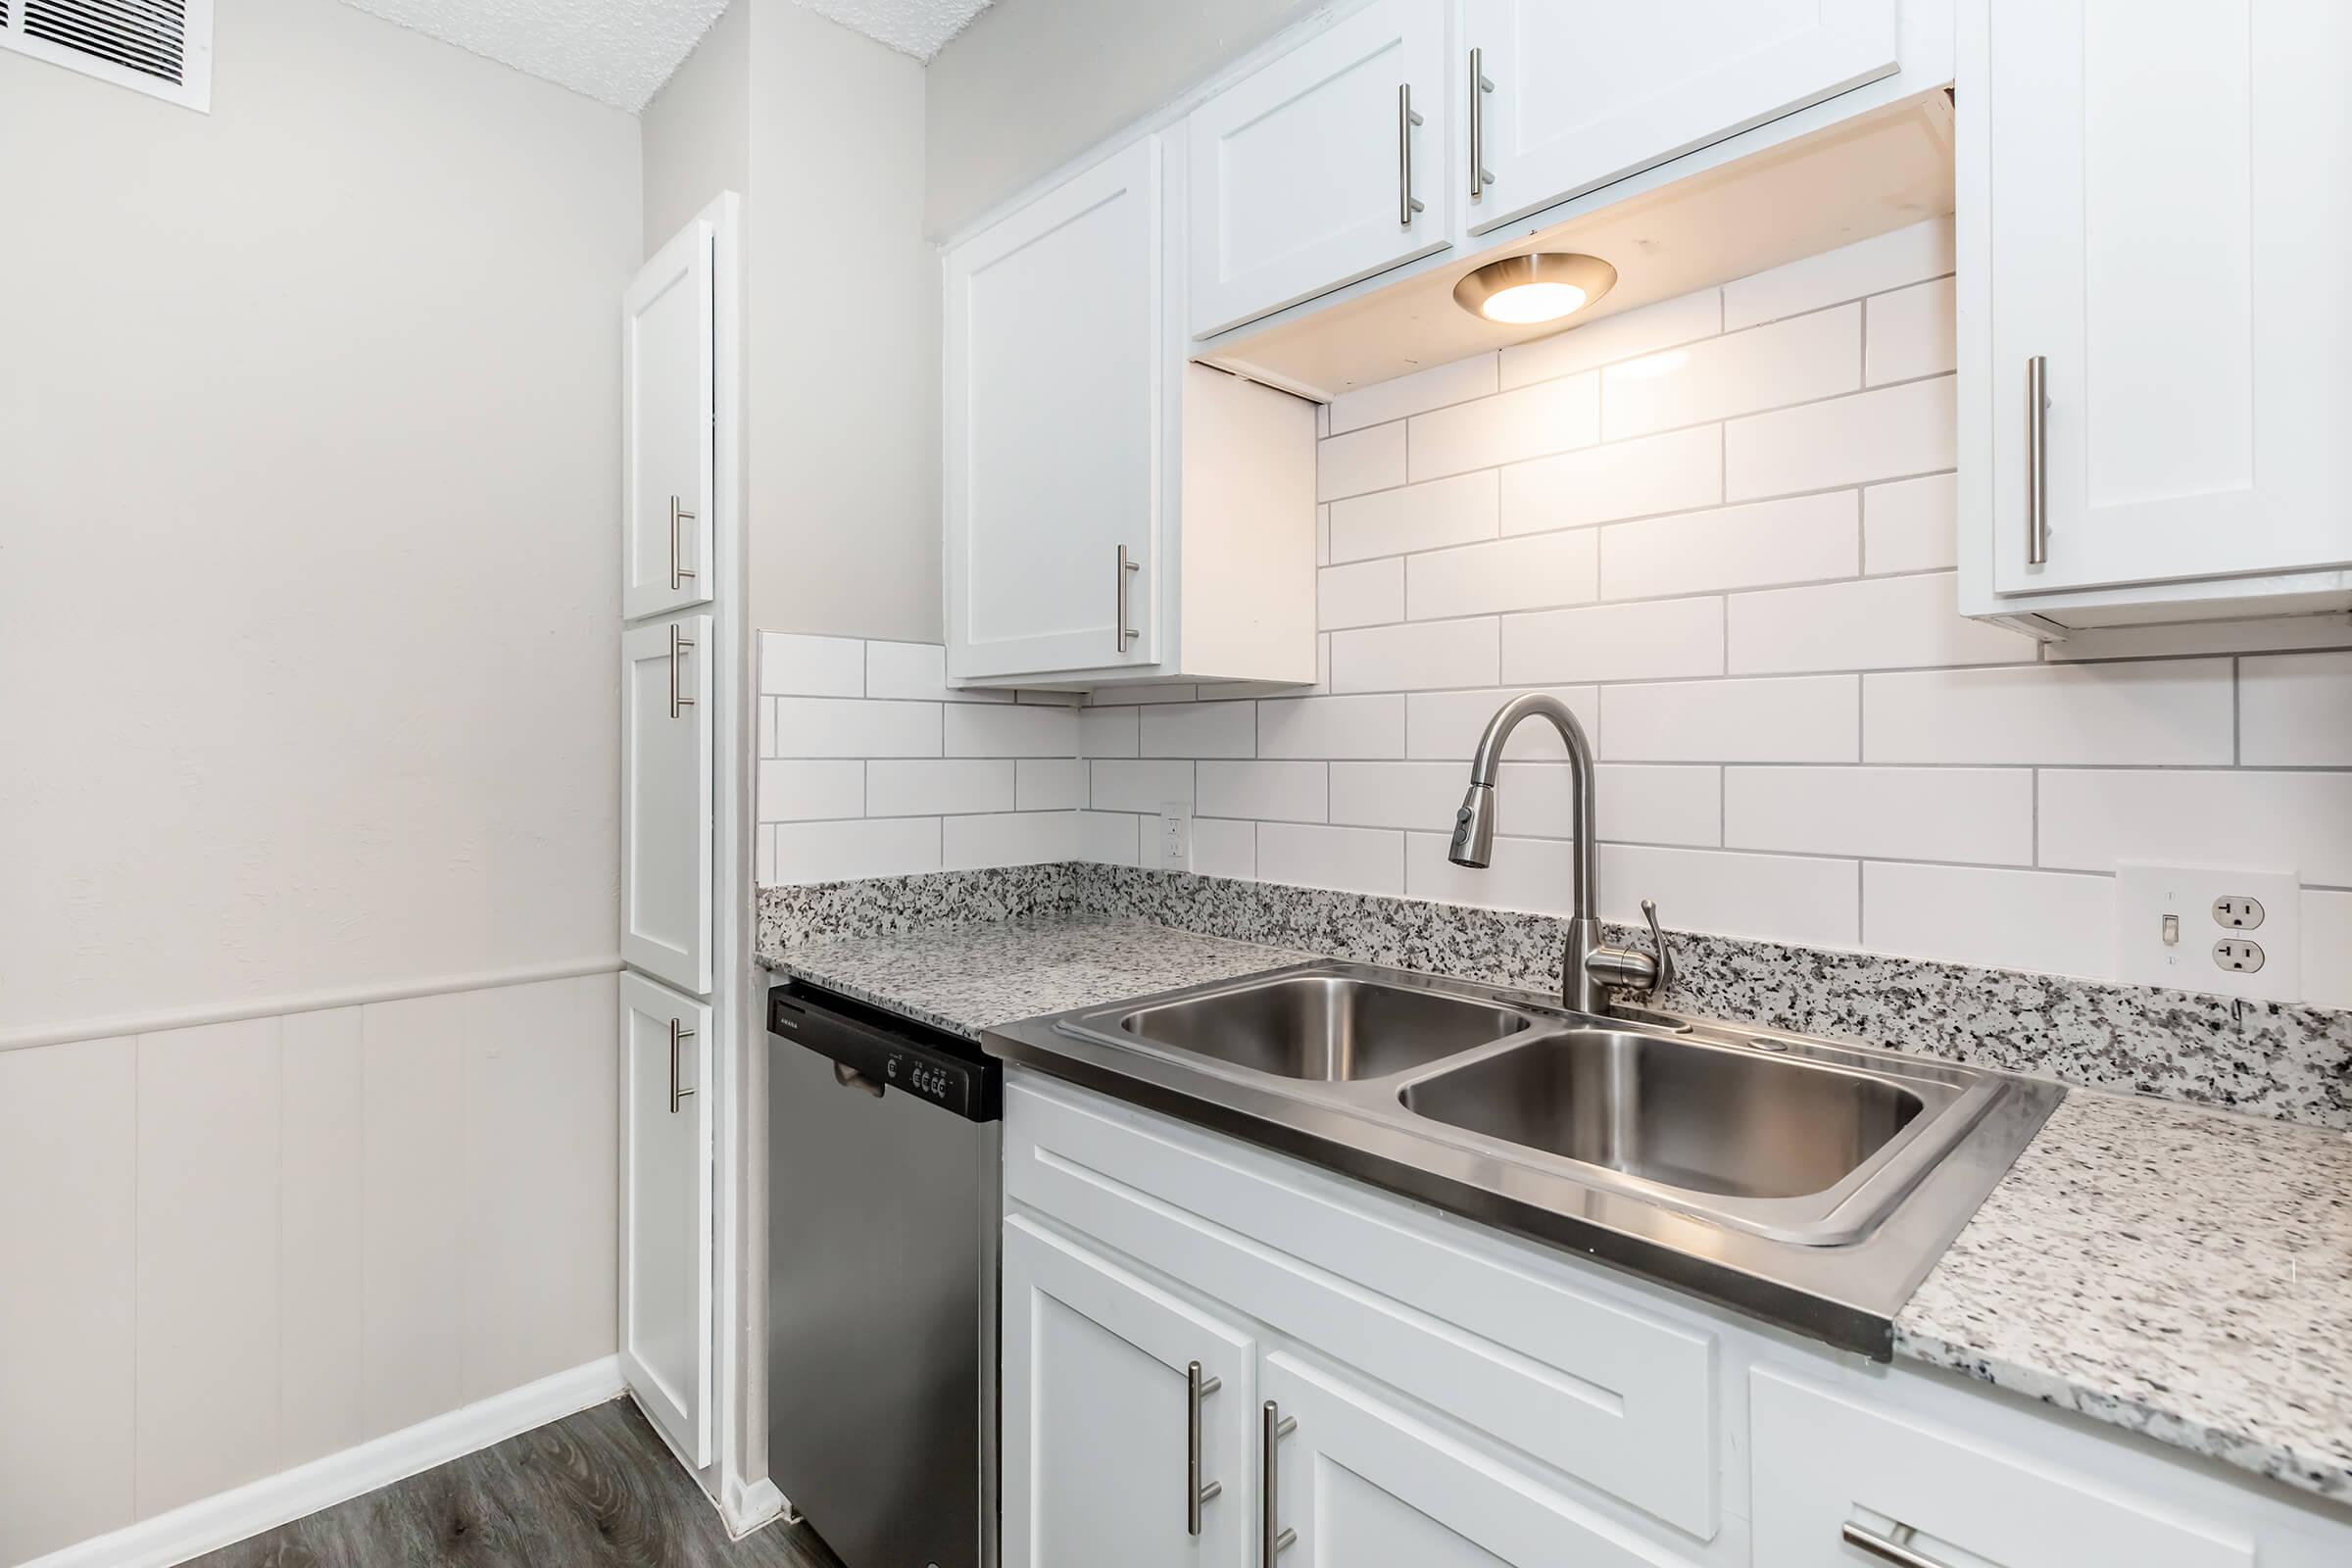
{"x": 1174, "y": 850}
{"x": 2200, "y": 929}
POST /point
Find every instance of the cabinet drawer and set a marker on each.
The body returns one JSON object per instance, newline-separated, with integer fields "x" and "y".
{"x": 1620, "y": 1400}
{"x": 1825, "y": 1462}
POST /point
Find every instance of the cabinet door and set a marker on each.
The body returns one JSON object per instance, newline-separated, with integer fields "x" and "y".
{"x": 665, "y": 809}
{"x": 1583, "y": 92}
{"x": 1360, "y": 1483}
{"x": 1055, "y": 361}
{"x": 2171, "y": 224}
{"x": 1323, "y": 166}
{"x": 666, "y": 1225}
{"x": 667, "y": 428}
{"x": 1097, "y": 1415}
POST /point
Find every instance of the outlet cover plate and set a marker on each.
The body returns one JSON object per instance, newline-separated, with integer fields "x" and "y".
{"x": 2145, "y": 894}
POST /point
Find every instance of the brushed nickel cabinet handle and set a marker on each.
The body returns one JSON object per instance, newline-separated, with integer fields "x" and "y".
{"x": 1406, "y": 204}
{"x": 2038, "y": 461}
{"x": 678, "y": 645}
{"x": 1894, "y": 1546}
{"x": 1480, "y": 85}
{"x": 679, "y": 575}
{"x": 1196, "y": 1491}
{"x": 1126, "y": 633}
{"x": 1273, "y": 1539}
{"x": 676, "y": 1094}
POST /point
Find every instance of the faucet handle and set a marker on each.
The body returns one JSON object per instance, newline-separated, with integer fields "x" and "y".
{"x": 1657, "y": 939}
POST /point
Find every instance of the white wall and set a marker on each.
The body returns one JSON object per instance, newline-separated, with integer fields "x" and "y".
{"x": 698, "y": 128}
{"x": 307, "y": 642}
{"x": 1032, "y": 83}
{"x": 305, "y": 500}
{"x": 1722, "y": 527}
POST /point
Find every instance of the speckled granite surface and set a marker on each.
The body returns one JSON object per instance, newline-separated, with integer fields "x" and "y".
{"x": 2183, "y": 1274}
{"x": 964, "y": 978}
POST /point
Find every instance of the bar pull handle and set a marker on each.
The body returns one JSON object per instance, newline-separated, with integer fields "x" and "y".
{"x": 1480, "y": 85}
{"x": 679, "y": 644}
{"x": 676, "y": 1094}
{"x": 1273, "y": 1540}
{"x": 2038, "y": 461}
{"x": 850, "y": 1077}
{"x": 1196, "y": 1491}
{"x": 1893, "y": 1546}
{"x": 1406, "y": 203}
{"x": 679, "y": 575}
{"x": 1127, "y": 567}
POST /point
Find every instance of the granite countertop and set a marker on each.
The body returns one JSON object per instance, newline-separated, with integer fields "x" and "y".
{"x": 2183, "y": 1273}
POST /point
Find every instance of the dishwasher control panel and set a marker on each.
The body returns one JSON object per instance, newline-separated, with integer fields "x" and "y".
{"x": 875, "y": 1053}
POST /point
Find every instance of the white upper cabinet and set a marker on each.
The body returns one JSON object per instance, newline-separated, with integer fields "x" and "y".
{"x": 1327, "y": 164}
{"x": 667, "y": 428}
{"x": 1578, "y": 93}
{"x": 2156, "y": 224}
{"x": 665, "y": 801}
{"x": 1056, "y": 368}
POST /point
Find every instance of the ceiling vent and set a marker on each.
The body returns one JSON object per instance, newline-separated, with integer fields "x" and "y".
{"x": 160, "y": 47}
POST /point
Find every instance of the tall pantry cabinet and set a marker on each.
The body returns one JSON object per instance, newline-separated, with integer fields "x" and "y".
{"x": 683, "y": 668}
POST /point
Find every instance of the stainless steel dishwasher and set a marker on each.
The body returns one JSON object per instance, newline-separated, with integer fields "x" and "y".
{"x": 885, "y": 1175}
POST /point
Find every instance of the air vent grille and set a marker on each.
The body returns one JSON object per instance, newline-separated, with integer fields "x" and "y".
{"x": 161, "y": 47}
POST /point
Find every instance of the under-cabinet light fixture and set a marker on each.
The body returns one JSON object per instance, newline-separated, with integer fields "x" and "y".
{"x": 1524, "y": 290}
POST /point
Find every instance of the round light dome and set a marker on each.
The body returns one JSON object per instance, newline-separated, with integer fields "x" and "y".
{"x": 1527, "y": 290}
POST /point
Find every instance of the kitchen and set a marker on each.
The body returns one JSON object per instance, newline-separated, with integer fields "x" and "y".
{"x": 1438, "y": 781}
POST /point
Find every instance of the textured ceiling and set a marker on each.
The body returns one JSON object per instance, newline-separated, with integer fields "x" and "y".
{"x": 622, "y": 51}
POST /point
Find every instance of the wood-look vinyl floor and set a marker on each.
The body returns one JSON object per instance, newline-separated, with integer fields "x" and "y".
{"x": 596, "y": 1490}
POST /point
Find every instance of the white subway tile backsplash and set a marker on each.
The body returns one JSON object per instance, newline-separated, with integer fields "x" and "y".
{"x": 1111, "y": 838}
{"x": 1287, "y": 792}
{"x": 2051, "y": 921}
{"x": 1142, "y": 691}
{"x": 1874, "y": 623}
{"x": 2250, "y": 819}
{"x": 1223, "y": 848}
{"x": 1414, "y": 657}
{"x": 836, "y": 851}
{"x": 1638, "y": 804}
{"x": 826, "y": 726}
{"x": 1332, "y": 726}
{"x": 1815, "y": 718}
{"x": 1658, "y": 639}
{"x": 1357, "y": 859}
{"x": 1911, "y": 525}
{"x": 1685, "y": 318}
{"x": 1537, "y": 874}
{"x": 1891, "y": 433}
{"x": 1141, "y": 786}
{"x": 796, "y": 665}
{"x": 1360, "y": 461}
{"x": 937, "y": 786}
{"x": 1867, "y": 267}
{"x": 1477, "y": 376}
{"x": 919, "y": 671}
{"x": 1446, "y": 725}
{"x": 798, "y": 792}
{"x": 1795, "y": 361}
{"x": 1198, "y": 729}
{"x": 1672, "y": 473}
{"x": 1911, "y": 333}
{"x": 1110, "y": 731}
{"x": 1801, "y": 539}
{"x": 1654, "y": 804}
{"x": 2327, "y": 949}
{"x": 1407, "y": 795}
{"x": 2174, "y": 712}
{"x": 1012, "y": 731}
{"x": 2297, "y": 711}
{"x": 1776, "y": 898}
{"x": 1530, "y": 423}
{"x": 1538, "y": 571}
{"x": 1370, "y": 593}
{"x": 1050, "y": 784}
{"x": 1977, "y": 815}
{"x": 1024, "y": 838}
{"x": 1421, "y": 517}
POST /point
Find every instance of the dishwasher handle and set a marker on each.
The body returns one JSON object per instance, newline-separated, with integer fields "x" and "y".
{"x": 876, "y": 1058}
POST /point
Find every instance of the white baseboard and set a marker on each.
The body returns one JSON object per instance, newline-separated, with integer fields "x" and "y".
{"x": 231, "y": 1516}
{"x": 745, "y": 1507}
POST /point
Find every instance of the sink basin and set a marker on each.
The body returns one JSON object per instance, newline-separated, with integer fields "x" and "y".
{"x": 1323, "y": 1027}
{"x": 1699, "y": 1117}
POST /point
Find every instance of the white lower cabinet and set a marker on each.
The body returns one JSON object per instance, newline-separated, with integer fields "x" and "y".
{"x": 1105, "y": 1440}
{"x": 665, "y": 1211}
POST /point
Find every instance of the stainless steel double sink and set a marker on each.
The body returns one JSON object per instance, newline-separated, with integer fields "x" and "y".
{"x": 1806, "y": 1180}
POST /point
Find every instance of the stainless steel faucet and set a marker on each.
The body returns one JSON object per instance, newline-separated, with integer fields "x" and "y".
{"x": 1591, "y": 969}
